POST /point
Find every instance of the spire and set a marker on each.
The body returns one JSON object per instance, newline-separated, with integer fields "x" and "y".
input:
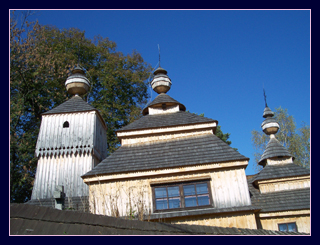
{"x": 270, "y": 127}
{"x": 77, "y": 83}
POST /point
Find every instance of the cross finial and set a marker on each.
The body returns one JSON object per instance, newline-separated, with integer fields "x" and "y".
{"x": 159, "y": 54}
{"x": 265, "y": 97}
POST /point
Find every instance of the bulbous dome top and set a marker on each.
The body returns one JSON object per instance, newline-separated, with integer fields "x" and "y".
{"x": 77, "y": 83}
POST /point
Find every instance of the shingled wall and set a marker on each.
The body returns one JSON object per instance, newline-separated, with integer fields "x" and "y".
{"x": 28, "y": 219}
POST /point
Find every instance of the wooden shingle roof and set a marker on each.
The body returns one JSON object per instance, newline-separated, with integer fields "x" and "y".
{"x": 281, "y": 171}
{"x": 274, "y": 149}
{"x": 166, "y": 120}
{"x": 74, "y": 104}
{"x": 182, "y": 152}
{"x": 36, "y": 220}
{"x": 277, "y": 201}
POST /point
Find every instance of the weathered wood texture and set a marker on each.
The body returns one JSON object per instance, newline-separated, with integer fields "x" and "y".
{"x": 284, "y": 184}
{"x": 84, "y": 132}
{"x": 302, "y": 222}
{"x": 63, "y": 170}
{"x": 66, "y": 153}
{"x": 163, "y": 137}
{"x": 115, "y": 197}
{"x": 222, "y": 220}
{"x": 159, "y": 110}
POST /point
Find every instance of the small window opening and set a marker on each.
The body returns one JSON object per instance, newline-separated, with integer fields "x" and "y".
{"x": 66, "y": 124}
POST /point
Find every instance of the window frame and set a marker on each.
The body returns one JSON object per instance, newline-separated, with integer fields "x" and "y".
{"x": 181, "y": 196}
{"x": 295, "y": 223}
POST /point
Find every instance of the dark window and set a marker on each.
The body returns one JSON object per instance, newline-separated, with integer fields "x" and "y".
{"x": 66, "y": 124}
{"x": 288, "y": 227}
{"x": 182, "y": 195}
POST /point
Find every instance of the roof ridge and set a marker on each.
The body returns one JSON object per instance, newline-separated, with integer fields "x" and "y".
{"x": 74, "y": 104}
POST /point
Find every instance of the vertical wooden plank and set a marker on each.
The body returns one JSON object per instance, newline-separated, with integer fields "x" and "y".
{"x": 39, "y": 140}
{"x": 77, "y": 162}
{"x": 45, "y": 133}
{"x": 37, "y": 181}
{"x": 56, "y": 131}
{"x": 63, "y": 132}
{"x": 60, "y": 133}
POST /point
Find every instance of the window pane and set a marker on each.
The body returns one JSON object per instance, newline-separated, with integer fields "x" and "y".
{"x": 162, "y": 204}
{"x": 174, "y": 202}
{"x": 189, "y": 190}
{"x": 173, "y": 191}
{"x": 283, "y": 227}
{"x": 190, "y": 201}
{"x": 160, "y": 192}
{"x": 202, "y": 188}
{"x": 292, "y": 227}
{"x": 203, "y": 200}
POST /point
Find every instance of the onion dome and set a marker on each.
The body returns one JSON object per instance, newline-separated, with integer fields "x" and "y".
{"x": 77, "y": 83}
{"x": 161, "y": 83}
{"x": 269, "y": 125}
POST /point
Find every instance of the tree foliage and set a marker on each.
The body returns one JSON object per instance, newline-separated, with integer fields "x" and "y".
{"x": 296, "y": 140}
{"x": 41, "y": 57}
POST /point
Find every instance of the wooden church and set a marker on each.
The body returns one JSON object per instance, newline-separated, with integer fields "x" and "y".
{"x": 170, "y": 167}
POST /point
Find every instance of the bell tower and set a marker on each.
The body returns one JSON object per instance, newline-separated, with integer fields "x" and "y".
{"x": 71, "y": 141}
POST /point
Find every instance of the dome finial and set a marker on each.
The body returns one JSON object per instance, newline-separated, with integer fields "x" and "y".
{"x": 160, "y": 83}
{"x": 269, "y": 126}
{"x": 77, "y": 83}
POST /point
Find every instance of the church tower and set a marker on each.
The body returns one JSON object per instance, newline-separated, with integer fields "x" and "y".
{"x": 71, "y": 141}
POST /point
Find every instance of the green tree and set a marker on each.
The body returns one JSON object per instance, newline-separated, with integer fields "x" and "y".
{"x": 296, "y": 140}
{"x": 40, "y": 59}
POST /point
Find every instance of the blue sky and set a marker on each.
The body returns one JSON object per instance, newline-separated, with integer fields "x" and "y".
{"x": 219, "y": 61}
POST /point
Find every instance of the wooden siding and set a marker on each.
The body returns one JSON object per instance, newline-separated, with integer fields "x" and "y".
{"x": 302, "y": 222}
{"x": 229, "y": 189}
{"x": 100, "y": 139}
{"x": 64, "y": 154}
{"x": 220, "y": 220}
{"x": 284, "y": 184}
{"x": 54, "y": 139}
{"x": 63, "y": 170}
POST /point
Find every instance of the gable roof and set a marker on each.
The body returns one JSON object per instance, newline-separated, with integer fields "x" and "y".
{"x": 166, "y": 120}
{"x": 274, "y": 149}
{"x": 74, "y": 104}
{"x": 181, "y": 152}
{"x": 281, "y": 171}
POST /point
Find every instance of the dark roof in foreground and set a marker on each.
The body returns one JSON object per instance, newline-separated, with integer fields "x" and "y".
{"x": 166, "y": 120}
{"x": 35, "y": 220}
{"x": 74, "y": 104}
{"x": 274, "y": 149}
{"x": 281, "y": 171}
{"x": 187, "y": 151}
{"x": 277, "y": 201}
